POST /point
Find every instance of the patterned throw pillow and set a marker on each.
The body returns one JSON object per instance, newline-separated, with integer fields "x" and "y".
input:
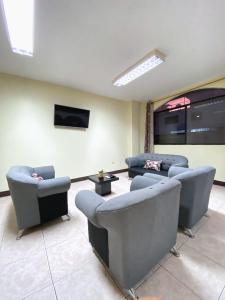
{"x": 153, "y": 164}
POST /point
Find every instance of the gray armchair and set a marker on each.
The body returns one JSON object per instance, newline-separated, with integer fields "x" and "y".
{"x": 37, "y": 201}
{"x": 194, "y": 199}
{"x": 132, "y": 232}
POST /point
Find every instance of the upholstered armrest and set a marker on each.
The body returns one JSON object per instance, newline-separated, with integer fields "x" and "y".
{"x": 53, "y": 186}
{"x": 46, "y": 172}
{"x": 140, "y": 182}
{"x": 183, "y": 164}
{"x": 174, "y": 170}
{"x": 132, "y": 162}
{"x": 88, "y": 202}
{"x": 154, "y": 176}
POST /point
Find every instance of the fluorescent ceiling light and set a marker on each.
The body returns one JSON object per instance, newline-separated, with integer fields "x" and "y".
{"x": 19, "y": 15}
{"x": 150, "y": 61}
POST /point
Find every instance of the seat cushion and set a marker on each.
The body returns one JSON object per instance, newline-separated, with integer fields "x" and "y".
{"x": 140, "y": 171}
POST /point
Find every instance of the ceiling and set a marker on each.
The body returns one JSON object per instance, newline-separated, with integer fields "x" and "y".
{"x": 85, "y": 44}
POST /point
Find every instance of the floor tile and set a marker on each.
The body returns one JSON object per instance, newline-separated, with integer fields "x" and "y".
{"x": 164, "y": 285}
{"x": 47, "y": 293}
{"x": 59, "y": 231}
{"x": 1, "y": 234}
{"x": 197, "y": 272}
{"x": 25, "y": 276}
{"x": 66, "y": 257}
{"x": 222, "y": 296}
{"x": 181, "y": 239}
{"x": 215, "y": 203}
{"x": 89, "y": 283}
{"x": 5, "y": 209}
{"x": 12, "y": 249}
{"x": 210, "y": 239}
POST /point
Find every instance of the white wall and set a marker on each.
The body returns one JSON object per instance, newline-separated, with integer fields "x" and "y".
{"x": 28, "y": 136}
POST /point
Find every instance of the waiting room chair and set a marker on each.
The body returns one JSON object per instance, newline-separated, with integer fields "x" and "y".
{"x": 131, "y": 233}
{"x": 195, "y": 192}
{"x": 37, "y": 201}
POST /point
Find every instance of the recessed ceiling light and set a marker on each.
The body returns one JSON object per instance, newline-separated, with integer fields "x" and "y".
{"x": 150, "y": 61}
{"x": 19, "y": 16}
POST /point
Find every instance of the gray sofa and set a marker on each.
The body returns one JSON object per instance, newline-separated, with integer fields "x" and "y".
{"x": 136, "y": 163}
{"x": 132, "y": 232}
{"x": 36, "y": 201}
{"x": 195, "y": 192}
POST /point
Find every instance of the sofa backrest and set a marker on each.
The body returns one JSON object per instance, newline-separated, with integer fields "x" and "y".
{"x": 167, "y": 160}
{"x": 195, "y": 192}
{"x": 142, "y": 228}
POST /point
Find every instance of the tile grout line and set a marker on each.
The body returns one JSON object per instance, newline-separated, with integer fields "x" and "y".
{"x": 221, "y": 293}
{"x": 3, "y": 234}
{"x": 209, "y": 258}
{"x": 49, "y": 265}
{"x": 183, "y": 284}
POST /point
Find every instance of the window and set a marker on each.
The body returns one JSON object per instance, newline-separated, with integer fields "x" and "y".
{"x": 194, "y": 118}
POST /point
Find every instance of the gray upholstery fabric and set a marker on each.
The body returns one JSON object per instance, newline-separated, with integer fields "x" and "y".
{"x": 47, "y": 172}
{"x": 24, "y": 191}
{"x": 88, "y": 202}
{"x": 195, "y": 192}
{"x": 141, "y": 225}
{"x": 53, "y": 186}
{"x": 155, "y": 176}
{"x": 173, "y": 171}
{"x": 140, "y": 182}
{"x": 167, "y": 160}
{"x": 196, "y": 187}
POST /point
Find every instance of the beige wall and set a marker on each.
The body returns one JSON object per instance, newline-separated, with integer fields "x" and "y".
{"x": 28, "y": 136}
{"x": 198, "y": 155}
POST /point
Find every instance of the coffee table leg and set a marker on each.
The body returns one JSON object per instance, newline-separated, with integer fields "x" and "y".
{"x": 103, "y": 188}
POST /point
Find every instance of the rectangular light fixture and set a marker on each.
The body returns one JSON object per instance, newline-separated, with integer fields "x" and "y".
{"x": 19, "y": 16}
{"x": 150, "y": 61}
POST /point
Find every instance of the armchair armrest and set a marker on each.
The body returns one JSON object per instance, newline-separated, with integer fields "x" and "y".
{"x": 47, "y": 172}
{"x": 88, "y": 202}
{"x": 132, "y": 162}
{"x": 53, "y": 186}
{"x": 141, "y": 182}
{"x": 174, "y": 170}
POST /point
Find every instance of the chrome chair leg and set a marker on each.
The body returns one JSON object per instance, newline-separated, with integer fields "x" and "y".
{"x": 175, "y": 252}
{"x": 131, "y": 293}
{"x": 189, "y": 232}
{"x": 20, "y": 234}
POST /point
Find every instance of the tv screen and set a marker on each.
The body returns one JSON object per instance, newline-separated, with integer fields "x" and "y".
{"x": 71, "y": 116}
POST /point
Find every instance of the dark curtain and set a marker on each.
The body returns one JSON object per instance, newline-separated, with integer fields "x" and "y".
{"x": 149, "y": 128}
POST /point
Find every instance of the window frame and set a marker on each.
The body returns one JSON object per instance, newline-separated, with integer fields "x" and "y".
{"x": 158, "y": 111}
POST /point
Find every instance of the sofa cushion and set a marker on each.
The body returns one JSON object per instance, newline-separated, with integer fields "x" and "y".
{"x": 140, "y": 171}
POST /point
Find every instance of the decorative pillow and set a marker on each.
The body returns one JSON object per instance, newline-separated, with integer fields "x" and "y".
{"x": 153, "y": 164}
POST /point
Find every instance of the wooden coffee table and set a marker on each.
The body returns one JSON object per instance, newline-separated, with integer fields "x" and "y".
{"x": 102, "y": 185}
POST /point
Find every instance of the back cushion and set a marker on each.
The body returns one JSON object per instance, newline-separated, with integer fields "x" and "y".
{"x": 165, "y": 165}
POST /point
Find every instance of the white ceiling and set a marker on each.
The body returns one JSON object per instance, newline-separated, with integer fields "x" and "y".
{"x": 85, "y": 44}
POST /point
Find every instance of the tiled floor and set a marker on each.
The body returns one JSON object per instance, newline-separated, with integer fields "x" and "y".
{"x": 55, "y": 261}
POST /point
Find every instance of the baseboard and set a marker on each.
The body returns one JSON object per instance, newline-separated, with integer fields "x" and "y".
{"x": 7, "y": 193}
{"x": 4, "y": 193}
{"x": 218, "y": 182}
{"x": 86, "y": 177}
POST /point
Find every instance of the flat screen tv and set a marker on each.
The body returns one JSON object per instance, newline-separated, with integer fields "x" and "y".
{"x": 71, "y": 116}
